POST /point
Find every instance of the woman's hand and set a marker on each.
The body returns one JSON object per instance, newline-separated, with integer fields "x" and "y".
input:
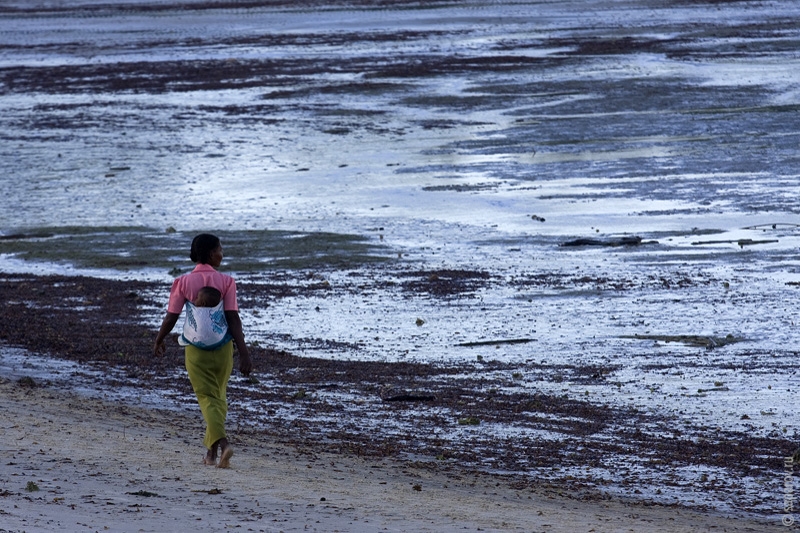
{"x": 245, "y": 363}
{"x": 160, "y": 348}
{"x": 235, "y": 329}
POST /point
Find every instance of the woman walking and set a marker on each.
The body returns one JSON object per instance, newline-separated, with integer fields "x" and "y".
{"x": 209, "y": 369}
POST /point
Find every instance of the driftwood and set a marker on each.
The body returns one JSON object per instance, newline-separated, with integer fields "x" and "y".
{"x": 622, "y": 241}
{"x": 773, "y": 226}
{"x": 409, "y": 397}
{"x": 741, "y": 242}
{"x": 492, "y": 342}
{"x": 397, "y": 394}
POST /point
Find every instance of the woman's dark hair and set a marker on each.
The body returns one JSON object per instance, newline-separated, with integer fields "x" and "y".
{"x": 202, "y": 246}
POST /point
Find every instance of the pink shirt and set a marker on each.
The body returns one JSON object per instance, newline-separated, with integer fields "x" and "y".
{"x": 187, "y": 286}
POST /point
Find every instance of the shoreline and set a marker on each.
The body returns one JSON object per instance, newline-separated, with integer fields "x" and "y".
{"x": 398, "y": 183}
{"x": 148, "y": 477}
{"x": 461, "y": 419}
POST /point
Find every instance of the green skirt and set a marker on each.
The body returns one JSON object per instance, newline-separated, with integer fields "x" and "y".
{"x": 209, "y": 371}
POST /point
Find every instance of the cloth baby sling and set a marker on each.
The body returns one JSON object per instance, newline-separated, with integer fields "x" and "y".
{"x": 205, "y": 327}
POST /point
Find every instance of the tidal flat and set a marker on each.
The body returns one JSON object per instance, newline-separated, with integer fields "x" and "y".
{"x": 394, "y": 187}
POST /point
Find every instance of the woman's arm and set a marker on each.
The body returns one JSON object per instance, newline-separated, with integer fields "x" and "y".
{"x": 235, "y": 329}
{"x": 170, "y": 319}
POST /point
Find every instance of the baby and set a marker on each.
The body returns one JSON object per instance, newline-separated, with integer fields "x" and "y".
{"x": 207, "y": 297}
{"x": 205, "y": 326}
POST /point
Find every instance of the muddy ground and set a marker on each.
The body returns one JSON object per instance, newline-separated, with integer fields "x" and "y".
{"x": 471, "y": 142}
{"x": 336, "y": 406}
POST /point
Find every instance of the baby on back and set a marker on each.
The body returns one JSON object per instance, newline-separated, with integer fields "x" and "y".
{"x": 205, "y": 326}
{"x": 207, "y": 297}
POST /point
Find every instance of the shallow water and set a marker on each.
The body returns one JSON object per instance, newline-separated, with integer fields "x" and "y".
{"x": 477, "y": 137}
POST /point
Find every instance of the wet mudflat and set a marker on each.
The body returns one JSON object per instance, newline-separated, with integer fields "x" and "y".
{"x": 534, "y": 423}
{"x": 422, "y": 170}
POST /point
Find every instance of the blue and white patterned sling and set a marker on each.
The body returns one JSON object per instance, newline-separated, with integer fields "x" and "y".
{"x": 205, "y": 327}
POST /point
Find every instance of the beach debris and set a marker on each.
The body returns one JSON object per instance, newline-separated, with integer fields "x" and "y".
{"x": 143, "y": 493}
{"x": 537, "y": 218}
{"x": 417, "y": 487}
{"x": 691, "y": 340}
{"x": 300, "y": 394}
{"x": 741, "y": 242}
{"x": 27, "y": 382}
{"x": 31, "y": 487}
{"x": 773, "y": 226}
{"x": 461, "y": 187}
{"x": 469, "y": 421}
{"x": 632, "y": 240}
{"x": 395, "y": 394}
{"x": 495, "y": 341}
{"x": 209, "y": 491}
{"x": 420, "y": 322}
{"x": 409, "y": 397}
{"x": 715, "y": 389}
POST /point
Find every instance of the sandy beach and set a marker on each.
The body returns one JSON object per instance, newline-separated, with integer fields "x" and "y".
{"x": 509, "y": 265}
{"x": 108, "y": 467}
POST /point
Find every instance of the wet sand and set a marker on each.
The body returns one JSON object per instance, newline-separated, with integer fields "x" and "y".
{"x": 73, "y": 464}
{"x": 331, "y": 421}
{"x": 469, "y": 142}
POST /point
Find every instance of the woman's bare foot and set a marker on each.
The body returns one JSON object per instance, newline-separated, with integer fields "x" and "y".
{"x": 226, "y": 452}
{"x": 210, "y": 459}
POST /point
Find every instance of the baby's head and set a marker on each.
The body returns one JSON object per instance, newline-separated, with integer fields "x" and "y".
{"x": 207, "y": 297}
